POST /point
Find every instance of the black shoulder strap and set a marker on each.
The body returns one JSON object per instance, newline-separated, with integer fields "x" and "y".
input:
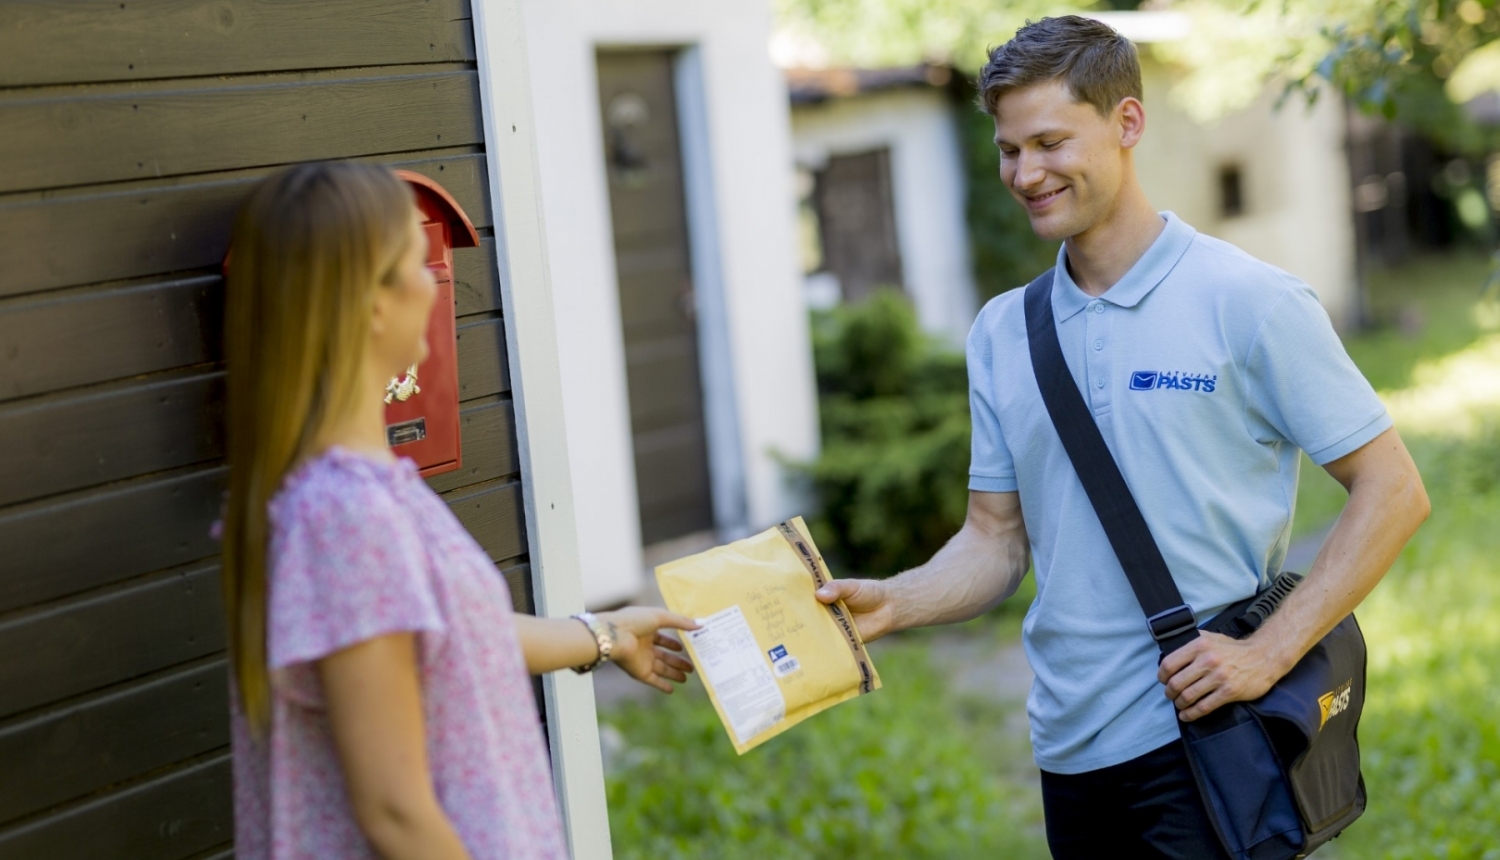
{"x": 1169, "y": 619}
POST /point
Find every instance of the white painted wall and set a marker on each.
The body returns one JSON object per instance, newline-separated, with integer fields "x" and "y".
{"x": 1295, "y": 179}
{"x": 928, "y": 185}
{"x": 767, "y": 345}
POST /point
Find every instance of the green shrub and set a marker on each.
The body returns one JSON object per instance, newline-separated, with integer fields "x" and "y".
{"x": 909, "y": 772}
{"x": 892, "y": 478}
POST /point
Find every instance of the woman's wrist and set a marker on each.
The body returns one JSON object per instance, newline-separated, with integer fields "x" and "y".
{"x": 605, "y": 636}
{"x": 552, "y": 644}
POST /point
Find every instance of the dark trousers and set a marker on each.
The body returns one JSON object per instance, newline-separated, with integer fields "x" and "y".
{"x": 1147, "y": 807}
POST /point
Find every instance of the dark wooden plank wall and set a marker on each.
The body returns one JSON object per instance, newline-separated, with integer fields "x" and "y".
{"x": 131, "y": 132}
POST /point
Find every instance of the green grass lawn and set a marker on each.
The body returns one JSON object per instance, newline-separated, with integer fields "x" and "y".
{"x": 910, "y": 772}
{"x": 1431, "y": 730}
{"x": 1430, "y": 733}
{"x": 917, "y": 771}
{"x": 1422, "y": 312}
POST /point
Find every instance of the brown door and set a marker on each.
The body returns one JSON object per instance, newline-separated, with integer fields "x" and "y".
{"x": 857, "y": 218}
{"x": 644, "y": 163}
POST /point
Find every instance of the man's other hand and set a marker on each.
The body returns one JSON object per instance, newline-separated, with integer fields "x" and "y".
{"x": 1214, "y": 670}
{"x": 869, "y": 601}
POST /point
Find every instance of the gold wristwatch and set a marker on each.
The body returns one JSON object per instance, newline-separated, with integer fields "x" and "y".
{"x": 604, "y": 637}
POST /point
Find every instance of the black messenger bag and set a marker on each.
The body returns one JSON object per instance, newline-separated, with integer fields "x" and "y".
{"x": 1279, "y": 775}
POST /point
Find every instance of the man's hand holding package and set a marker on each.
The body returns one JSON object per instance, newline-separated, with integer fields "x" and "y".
{"x": 981, "y": 566}
{"x": 769, "y": 653}
{"x": 869, "y": 602}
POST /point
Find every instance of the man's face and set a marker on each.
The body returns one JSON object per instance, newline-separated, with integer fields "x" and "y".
{"x": 1060, "y": 159}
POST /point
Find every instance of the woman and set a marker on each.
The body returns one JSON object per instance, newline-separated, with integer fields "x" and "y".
{"x": 381, "y": 700}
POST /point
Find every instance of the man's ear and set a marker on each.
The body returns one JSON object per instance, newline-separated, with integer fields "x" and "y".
{"x": 1130, "y": 117}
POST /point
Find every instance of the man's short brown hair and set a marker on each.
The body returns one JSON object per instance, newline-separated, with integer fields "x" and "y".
{"x": 1099, "y": 66}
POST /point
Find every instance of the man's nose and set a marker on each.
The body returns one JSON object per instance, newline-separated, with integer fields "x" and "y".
{"x": 1029, "y": 171}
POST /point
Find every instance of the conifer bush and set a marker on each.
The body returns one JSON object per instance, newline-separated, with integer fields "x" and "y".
{"x": 892, "y": 478}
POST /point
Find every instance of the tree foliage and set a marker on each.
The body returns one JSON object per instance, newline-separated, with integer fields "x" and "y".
{"x": 1413, "y": 60}
{"x": 1416, "y": 60}
{"x": 873, "y": 33}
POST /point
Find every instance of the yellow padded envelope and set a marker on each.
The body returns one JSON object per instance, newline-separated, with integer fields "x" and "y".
{"x": 770, "y": 654}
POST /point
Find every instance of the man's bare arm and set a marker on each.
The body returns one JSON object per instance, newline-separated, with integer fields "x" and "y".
{"x": 981, "y": 566}
{"x": 1387, "y": 503}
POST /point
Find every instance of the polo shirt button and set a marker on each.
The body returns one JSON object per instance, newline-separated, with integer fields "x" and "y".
{"x": 1099, "y": 307}
{"x": 1099, "y": 384}
{"x": 1098, "y": 344}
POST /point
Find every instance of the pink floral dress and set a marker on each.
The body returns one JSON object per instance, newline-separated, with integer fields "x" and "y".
{"x": 360, "y": 549}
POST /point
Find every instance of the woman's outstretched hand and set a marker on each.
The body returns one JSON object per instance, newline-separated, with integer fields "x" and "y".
{"x": 643, "y": 651}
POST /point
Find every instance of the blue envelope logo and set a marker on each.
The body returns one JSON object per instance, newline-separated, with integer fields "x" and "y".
{"x": 1143, "y": 380}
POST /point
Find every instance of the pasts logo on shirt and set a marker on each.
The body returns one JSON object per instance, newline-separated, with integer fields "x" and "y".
{"x": 1147, "y": 380}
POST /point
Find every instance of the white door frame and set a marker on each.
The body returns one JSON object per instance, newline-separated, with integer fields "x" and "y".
{"x": 526, "y": 288}
{"x": 721, "y": 418}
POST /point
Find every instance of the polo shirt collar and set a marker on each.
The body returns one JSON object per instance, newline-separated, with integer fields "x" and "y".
{"x": 1151, "y": 269}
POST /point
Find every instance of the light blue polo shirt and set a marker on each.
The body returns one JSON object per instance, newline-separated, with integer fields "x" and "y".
{"x": 1206, "y": 371}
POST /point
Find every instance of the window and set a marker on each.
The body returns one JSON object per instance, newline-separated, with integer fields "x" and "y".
{"x": 857, "y": 222}
{"x": 809, "y": 231}
{"x": 1231, "y": 191}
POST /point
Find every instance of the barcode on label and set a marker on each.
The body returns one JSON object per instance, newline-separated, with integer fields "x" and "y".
{"x": 786, "y": 666}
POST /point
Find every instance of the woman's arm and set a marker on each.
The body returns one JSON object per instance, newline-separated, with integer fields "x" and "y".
{"x": 640, "y": 649}
{"x": 374, "y": 700}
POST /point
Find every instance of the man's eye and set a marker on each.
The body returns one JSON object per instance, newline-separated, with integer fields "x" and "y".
{"x": 1007, "y": 153}
{"x": 1051, "y": 144}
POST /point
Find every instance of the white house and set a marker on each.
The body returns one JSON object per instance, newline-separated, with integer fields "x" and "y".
{"x": 629, "y": 343}
{"x": 1274, "y": 182}
{"x": 662, "y": 146}
{"x": 882, "y": 169}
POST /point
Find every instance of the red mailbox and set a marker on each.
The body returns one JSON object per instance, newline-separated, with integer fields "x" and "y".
{"x": 421, "y": 412}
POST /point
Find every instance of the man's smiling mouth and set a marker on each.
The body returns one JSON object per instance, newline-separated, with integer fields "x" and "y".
{"x": 1038, "y": 201}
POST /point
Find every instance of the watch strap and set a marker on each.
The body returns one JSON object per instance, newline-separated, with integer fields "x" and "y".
{"x": 604, "y": 638}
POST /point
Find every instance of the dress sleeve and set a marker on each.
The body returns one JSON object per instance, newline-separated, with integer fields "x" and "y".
{"x": 991, "y": 467}
{"x": 345, "y": 567}
{"x": 1302, "y": 386}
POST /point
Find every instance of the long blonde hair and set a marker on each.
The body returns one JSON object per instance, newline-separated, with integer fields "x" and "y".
{"x": 311, "y": 246}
